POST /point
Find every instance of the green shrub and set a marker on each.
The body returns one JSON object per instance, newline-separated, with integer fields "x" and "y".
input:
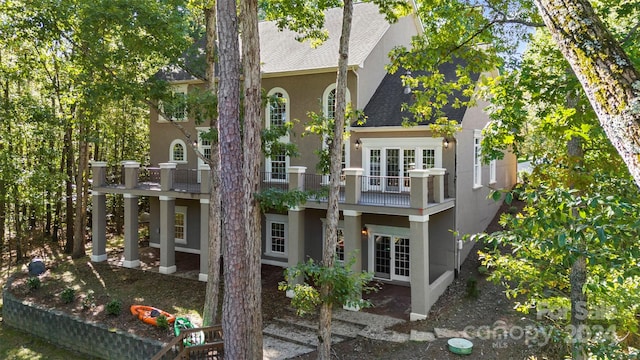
{"x": 34, "y": 283}
{"x": 472, "y": 288}
{"x": 68, "y": 295}
{"x": 163, "y": 322}
{"x": 89, "y": 301}
{"x": 114, "y": 307}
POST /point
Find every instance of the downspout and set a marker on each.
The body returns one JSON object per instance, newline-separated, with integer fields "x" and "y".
{"x": 457, "y": 243}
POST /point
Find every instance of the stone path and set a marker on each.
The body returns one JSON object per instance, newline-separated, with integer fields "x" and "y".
{"x": 291, "y": 336}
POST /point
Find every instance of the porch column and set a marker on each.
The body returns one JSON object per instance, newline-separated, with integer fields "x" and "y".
{"x": 353, "y": 243}
{"x": 131, "y": 171}
{"x": 438, "y": 184}
{"x": 99, "y": 215}
{"x": 352, "y": 185}
{"x": 204, "y": 170}
{"x": 167, "y": 171}
{"x": 419, "y": 268}
{"x": 419, "y": 188}
{"x": 296, "y": 223}
{"x": 131, "y": 258}
{"x": 353, "y": 238}
{"x": 204, "y": 240}
{"x": 167, "y": 235}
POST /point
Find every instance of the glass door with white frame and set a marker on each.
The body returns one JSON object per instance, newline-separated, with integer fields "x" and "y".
{"x": 391, "y": 257}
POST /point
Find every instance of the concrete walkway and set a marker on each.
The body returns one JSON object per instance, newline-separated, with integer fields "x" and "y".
{"x": 291, "y": 336}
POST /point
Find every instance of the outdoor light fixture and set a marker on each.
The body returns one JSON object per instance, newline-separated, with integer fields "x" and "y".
{"x": 358, "y": 143}
{"x": 445, "y": 143}
{"x": 365, "y": 231}
{"x": 407, "y": 88}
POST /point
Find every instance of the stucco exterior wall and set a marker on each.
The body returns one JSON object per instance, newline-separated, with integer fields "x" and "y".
{"x": 474, "y": 210}
{"x": 372, "y": 71}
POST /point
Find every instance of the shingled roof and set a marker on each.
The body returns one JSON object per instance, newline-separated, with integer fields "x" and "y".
{"x": 384, "y": 107}
{"x": 280, "y": 52}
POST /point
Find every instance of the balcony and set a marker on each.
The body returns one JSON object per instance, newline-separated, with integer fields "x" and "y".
{"x": 418, "y": 190}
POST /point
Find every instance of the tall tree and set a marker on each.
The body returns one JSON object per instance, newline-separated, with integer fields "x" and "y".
{"x": 333, "y": 213}
{"x": 252, "y": 143}
{"x": 606, "y": 73}
{"x": 237, "y": 318}
{"x": 210, "y": 313}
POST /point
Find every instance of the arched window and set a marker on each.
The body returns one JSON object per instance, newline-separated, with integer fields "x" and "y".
{"x": 329, "y": 110}
{"x": 178, "y": 151}
{"x": 276, "y": 115}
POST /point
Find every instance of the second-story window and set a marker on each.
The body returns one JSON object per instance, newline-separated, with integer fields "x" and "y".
{"x": 277, "y": 114}
{"x": 477, "y": 159}
{"x": 178, "y": 151}
{"x": 176, "y": 109}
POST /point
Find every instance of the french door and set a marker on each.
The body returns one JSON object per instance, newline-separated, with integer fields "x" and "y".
{"x": 391, "y": 257}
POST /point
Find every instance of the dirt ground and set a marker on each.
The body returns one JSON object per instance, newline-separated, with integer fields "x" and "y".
{"x": 181, "y": 294}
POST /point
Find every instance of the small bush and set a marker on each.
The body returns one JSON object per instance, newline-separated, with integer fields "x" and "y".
{"x": 114, "y": 307}
{"x": 89, "y": 301}
{"x": 68, "y": 295}
{"x": 472, "y": 288}
{"x": 34, "y": 283}
{"x": 163, "y": 322}
{"x": 482, "y": 270}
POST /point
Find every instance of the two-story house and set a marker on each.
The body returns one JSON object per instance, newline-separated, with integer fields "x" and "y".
{"x": 405, "y": 192}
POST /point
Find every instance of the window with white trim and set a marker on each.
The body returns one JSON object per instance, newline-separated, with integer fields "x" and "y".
{"x": 329, "y": 109}
{"x": 277, "y": 235}
{"x": 492, "y": 171}
{"x": 387, "y": 162}
{"x": 340, "y": 240}
{"x": 276, "y": 115}
{"x": 178, "y": 111}
{"x": 178, "y": 151}
{"x": 477, "y": 159}
{"x": 180, "y": 226}
{"x": 389, "y": 252}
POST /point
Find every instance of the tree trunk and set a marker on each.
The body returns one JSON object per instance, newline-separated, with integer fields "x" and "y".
{"x": 236, "y": 319}
{"x": 210, "y": 313}
{"x": 81, "y": 190}
{"x": 68, "y": 156}
{"x": 577, "y": 279}
{"x": 606, "y": 73}
{"x": 252, "y": 149}
{"x": 333, "y": 213}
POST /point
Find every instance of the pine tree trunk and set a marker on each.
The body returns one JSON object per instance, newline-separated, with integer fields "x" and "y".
{"x": 577, "y": 279}
{"x": 236, "y": 317}
{"x": 81, "y": 192}
{"x": 333, "y": 213}
{"x": 210, "y": 313}
{"x": 252, "y": 149}
{"x": 68, "y": 156}
{"x": 606, "y": 73}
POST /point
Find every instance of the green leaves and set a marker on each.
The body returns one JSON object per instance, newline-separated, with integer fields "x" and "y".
{"x": 346, "y": 287}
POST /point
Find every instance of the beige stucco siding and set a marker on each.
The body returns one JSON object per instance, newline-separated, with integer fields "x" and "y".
{"x": 474, "y": 210}
{"x": 305, "y": 94}
{"x": 371, "y": 72}
{"x": 163, "y": 133}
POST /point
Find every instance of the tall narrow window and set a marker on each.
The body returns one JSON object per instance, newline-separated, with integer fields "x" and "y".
{"x": 277, "y": 113}
{"x": 329, "y": 109}
{"x": 276, "y": 235}
{"x": 340, "y": 245}
{"x": 492, "y": 171}
{"x": 180, "y": 227}
{"x": 428, "y": 158}
{"x": 176, "y": 110}
{"x": 477, "y": 160}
